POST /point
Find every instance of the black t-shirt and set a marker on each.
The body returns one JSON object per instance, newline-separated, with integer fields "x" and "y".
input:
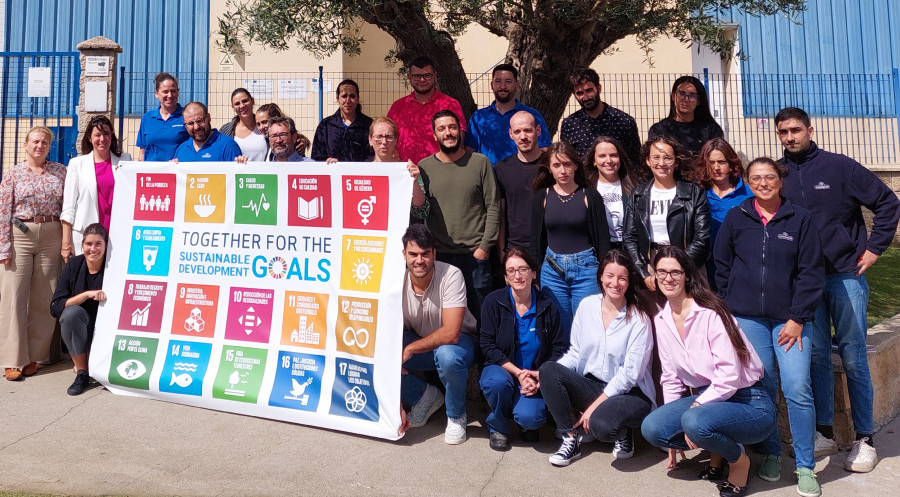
{"x": 515, "y": 179}
{"x": 566, "y": 220}
{"x": 690, "y": 135}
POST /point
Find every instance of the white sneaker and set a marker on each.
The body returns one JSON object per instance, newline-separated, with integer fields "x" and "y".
{"x": 862, "y": 458}
{"x": 824, "y": 446}
{"x": 431, "y": 401}
{"x": 569, "y": 450}
{"x": 455, "y": 433}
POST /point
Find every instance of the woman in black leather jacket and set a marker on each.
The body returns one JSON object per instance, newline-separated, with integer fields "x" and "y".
{"x": 666, "y": 210}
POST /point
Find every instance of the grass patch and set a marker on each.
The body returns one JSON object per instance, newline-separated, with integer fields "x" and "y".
{"x": 884, "y": 287}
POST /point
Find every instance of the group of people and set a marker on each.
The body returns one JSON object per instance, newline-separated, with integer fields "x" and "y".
{"x": 656, "y": 287}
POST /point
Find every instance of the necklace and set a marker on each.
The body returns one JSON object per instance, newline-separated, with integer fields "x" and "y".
{"x": 565, "y": 198}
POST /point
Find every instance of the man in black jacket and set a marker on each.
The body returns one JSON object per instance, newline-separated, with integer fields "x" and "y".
{"x": 833, "y": 187}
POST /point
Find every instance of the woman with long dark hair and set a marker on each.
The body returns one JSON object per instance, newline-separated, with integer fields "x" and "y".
{"x": 602, "y": 386}
{"x": 690, "y": 121}
{"x": 608, "y": 169}
{"x": 772, "y": 275}
{"x": 520, "y": 331}
{"x": 569, "y": 231}
{"x": 701, "y": 347}
{"x": 243, "y": 127}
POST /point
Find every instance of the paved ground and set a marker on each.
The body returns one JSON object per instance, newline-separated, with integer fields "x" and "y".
{"x": 101, "y": 444}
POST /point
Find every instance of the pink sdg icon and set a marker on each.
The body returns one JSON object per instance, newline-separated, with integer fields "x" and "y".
{"x": 249, "y": 314}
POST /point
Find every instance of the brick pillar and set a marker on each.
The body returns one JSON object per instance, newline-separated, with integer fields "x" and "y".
{"x": 97, "y": 53}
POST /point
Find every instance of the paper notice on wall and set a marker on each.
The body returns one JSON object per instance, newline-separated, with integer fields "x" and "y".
{"x": 291, "y": 89}
{"x": 38, "y": 82}
{"x": 261, "y": 89}
{"x": 326, "y": 85}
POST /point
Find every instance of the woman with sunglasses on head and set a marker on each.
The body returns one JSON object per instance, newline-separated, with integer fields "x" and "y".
{"x": 602, "y": 385}
{"x": 772, "y": 275}
{"x": 162, "y": 129}
{"x": 569, "y": 231}
{"x": 31, "y": 197}
{"x": 665, "y": 210}
{"x": 90, "y": 183}
{"x": 702, "y": 348}
{"x": 690, "y": 121}
{"x": 520, "y": 331}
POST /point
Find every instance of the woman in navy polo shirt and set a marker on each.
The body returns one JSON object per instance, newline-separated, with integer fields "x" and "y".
{"x": 162, "y": 129}
{"x": 520, "y": 330}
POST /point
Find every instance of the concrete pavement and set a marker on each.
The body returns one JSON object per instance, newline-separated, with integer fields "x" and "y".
{"x": 102, "y": 444}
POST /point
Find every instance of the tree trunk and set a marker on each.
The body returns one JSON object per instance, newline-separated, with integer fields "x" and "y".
{"x": 416, "y": 36}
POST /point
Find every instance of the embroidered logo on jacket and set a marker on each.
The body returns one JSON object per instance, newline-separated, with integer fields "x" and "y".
{"x": 206, "y": 156}
{"x": 822, "y": 186}
{"x": 784, "y": 236}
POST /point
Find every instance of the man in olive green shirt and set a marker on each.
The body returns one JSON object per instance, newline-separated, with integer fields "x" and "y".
{"x": 465, "y": 207}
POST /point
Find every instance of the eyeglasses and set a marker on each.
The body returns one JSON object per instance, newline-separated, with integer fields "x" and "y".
{"x": 422, "y": 77}
{"x": 279, "y": 135}
{"x": 199, "y": 122}
{"x": 687, "y": 96}
{"x": 665, "y": 159}
{"x": 523, "y": 271}
{"x": 662, "y": 274}
{"x": 384, "y": 138}
{"x": 756, "y": 179}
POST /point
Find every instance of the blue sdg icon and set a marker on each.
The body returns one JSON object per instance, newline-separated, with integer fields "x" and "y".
{"x": 185, "y": 367}
{"x": 298, "y": 381}
{"x": 151, "y": 249}
{"x": 353, "y": 393}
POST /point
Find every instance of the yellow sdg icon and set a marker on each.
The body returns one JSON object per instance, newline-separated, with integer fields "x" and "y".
{"x": 204, "y": 198}
{"x": 362, "y": 262}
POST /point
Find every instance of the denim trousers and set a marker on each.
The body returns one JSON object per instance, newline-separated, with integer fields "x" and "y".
{"x": 452, "y": 364}
{"x": 793, "y": 368}
{"x": 502, "y": 393}
{"x": 844, "y": 306}
{"x": 567, "y": 279}
{"x": 567, "y": 392}
{"x": 477, "y": 274}
{"x": 723, "y": 427}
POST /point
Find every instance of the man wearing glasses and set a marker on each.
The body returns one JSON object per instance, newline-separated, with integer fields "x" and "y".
{"x": 488, "y": 132}
{"x": 413, "y": 112}
{"x": 283, "y": 141}
{"x": 205, "y": 144}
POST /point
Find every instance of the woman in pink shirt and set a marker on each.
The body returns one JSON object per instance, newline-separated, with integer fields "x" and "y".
{"x": 713, "y": 396}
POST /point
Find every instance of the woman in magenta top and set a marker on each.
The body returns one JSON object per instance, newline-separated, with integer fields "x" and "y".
{"x": 703, "y": 350}
{"x": 90, "y": 184}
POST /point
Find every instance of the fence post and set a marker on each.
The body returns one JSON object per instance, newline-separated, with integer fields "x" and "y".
{"x": 706, "y": 79}
{"x": 98, "y": 80}
{"x": 321, "y": 92}
{"x": 122, "y": 108}
{"x": 897, "y": 110}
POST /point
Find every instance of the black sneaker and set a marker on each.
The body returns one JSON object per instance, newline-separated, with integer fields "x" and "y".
{"x": 82, "y": 379}
{"x": 530, "y": 436}
{"x": 499, "y": 441}
{"x": 569, "y": 451}
{"x": 624, "y": 447}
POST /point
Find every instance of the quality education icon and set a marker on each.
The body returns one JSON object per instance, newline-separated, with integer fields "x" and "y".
{"x": 309, "y": 201}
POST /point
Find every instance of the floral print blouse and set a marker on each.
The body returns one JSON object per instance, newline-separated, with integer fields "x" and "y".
{"x": 25, "y": 194}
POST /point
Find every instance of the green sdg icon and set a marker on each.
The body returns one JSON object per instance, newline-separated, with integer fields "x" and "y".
{"x": 132, "y": 360}
{"x": 240, "y": 374}
{"x": 256, "y": 199}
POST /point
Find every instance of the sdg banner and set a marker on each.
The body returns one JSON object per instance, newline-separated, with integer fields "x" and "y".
{"x": 263, "y": 289}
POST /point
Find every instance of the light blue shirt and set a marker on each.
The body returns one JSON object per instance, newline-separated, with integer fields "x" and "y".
{"x": 488, "y": 131}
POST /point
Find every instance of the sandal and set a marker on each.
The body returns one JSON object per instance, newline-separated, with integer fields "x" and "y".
{"x": 712, "y": 473}
{"x": 728, "y": 489}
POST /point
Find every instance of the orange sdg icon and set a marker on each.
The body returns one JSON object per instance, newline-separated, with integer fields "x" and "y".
{"x": 303, "y": 324}
{"x": 356, "y": 322}
{"x": 204, "y": 198}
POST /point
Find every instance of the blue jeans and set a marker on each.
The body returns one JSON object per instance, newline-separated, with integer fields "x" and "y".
{"x": 502, "y": 394}
{"x": 843, "y": 305}
{"x": 477, "y": 274}
{"x": 577, "y": 281}
{"x": 793, "y": 366}
{"x": 452, "y": 364}
{"x": 722, "y": 428}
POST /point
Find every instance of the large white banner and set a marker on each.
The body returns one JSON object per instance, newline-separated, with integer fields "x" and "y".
{"x": 270, "y": 290}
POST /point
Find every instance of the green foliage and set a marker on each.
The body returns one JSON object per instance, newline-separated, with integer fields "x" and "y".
{"x": 884, "y": 286}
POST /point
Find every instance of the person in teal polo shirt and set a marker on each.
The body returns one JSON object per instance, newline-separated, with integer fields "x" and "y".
{"x": 162, "y": 129}
{"x": 206, "y": 144}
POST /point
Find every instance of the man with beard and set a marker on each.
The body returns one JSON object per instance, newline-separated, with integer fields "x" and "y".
{"x": 465, "y": 207}
{"x": 283, "y": 138}
{"x": 597, "y": 118}
{"x": 206, "y": 144}
{"x": 439, "y": 333}
{"x": 515, "y": 175}
{"x": 488, "y": 131}
{"x": 413, "y": 112}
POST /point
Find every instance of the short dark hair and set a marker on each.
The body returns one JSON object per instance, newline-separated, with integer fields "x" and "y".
{"x": 521, "y": 253}
{"x": 506, "y": 67}
{"x": 443, "y": 113}
{"x": 420, "y": 234}
{"x": 422, "y": 62}
{"x": 350, "y": 82}
{"x": 272, "y": 109}
{"x": 283, "y": 121}
{"x": 584, "y": 76}
{"x": 238, "y": 91}
{"x": 779, "y": 168}
{"x": 96, "y": 229}
{"x": 95, "y": 122}
{"x": 162, "y": 78}
{"x": 793, "y": 113}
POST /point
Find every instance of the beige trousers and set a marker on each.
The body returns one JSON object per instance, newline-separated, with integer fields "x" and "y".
{"x": 26, "y": 287}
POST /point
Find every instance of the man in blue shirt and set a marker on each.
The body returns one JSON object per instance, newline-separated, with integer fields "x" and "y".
{"x": 488, "y": 131}
{"x": 206, "y": 144}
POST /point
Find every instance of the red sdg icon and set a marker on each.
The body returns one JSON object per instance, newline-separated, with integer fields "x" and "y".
{"x": 154, "y": 198}
{"x": 309, "y": 201}
{"x": 366, "y": 200}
